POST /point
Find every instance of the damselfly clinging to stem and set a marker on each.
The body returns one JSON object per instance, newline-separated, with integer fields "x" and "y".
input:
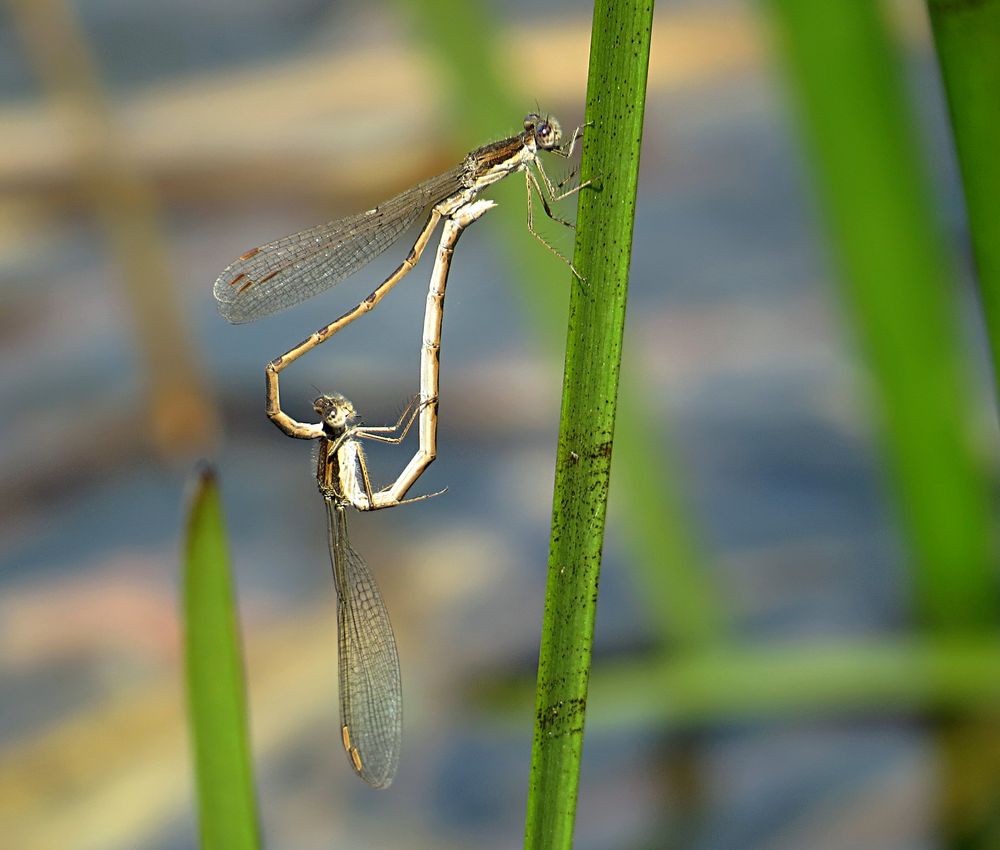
{"x": 280, "y": 274}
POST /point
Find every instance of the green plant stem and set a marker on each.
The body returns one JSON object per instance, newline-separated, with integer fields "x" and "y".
{"x": 214, "y": 667}
{"x": 967, "y": 36}
{"x": 896, "y": 290}
{"x": 616, "y": 92}
{"x": 778, "y": 681}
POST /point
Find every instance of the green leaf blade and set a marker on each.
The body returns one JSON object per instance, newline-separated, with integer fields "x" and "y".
{"x": 215, "y": 685}
{"x": 898, "y": 297}
{"x": 967, "y": 38}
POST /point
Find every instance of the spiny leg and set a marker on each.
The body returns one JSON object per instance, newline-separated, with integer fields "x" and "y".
{"x": 570, "y": 175}
{"x": 363, "y": 465}
{"x": 532, "y": 180}
{"x": 409, "y": 414}
{"x": 373, "y": 504}
{"x": 529, "y": 180}
{"x": 554, "y": 195}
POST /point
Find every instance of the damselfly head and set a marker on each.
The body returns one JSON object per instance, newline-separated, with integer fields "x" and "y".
{"x": 337, "y": 412}
{"x": 545, "y": 129}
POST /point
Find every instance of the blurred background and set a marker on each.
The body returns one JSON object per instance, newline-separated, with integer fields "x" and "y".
{"x": 763, "y": 677}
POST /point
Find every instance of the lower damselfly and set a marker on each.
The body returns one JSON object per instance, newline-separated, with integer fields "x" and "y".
{"x": 371, "y": 695}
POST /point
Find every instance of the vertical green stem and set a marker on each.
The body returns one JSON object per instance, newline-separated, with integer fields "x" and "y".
{"x": 615, "y": 103}
{"x": 967, "y": 35}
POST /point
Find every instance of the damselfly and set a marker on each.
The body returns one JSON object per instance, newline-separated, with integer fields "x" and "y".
{"x": 371, "y": 698}
{"x": 287, "y": 271}
{"x": 280, "y": 274}
{"x": 370, "y": 689}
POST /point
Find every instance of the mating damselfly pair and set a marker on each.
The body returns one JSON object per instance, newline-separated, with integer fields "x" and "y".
{"x": 286, "y": 272}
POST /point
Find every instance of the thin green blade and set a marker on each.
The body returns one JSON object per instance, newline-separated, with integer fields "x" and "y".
{"x": 215, "y": 688}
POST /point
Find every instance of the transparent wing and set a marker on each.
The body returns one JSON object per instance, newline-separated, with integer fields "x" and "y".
{"x": 282, "y": 273}
{"x": 371, "y": 694}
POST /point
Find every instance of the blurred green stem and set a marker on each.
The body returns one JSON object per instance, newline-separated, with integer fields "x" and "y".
{"x": 804, "y": 678}
{"x": 844, "y": 72}
{"x": 967, "y": 36}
